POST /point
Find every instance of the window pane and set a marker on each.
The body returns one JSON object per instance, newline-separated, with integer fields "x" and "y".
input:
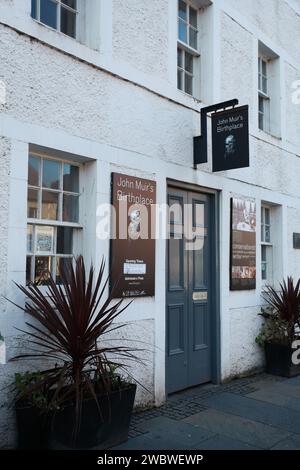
{"x": 264, "y": 85}
{"x": 193, "y": 38}
{"x": 259, "y": 81}
{"x": 180, "y": 58}
{"x": 68, "y": 22}
{"x": 70, "y": 208}
{"x": 264, "y": 68}
{"x": 259, "y": 64}
{"x": 51, "y": 174}
{"x": 193, "y": 17}
{"x": 264, "y": 253}
{"x": 180, "y": 79}
{"x": 261, "y": 121}
{"x": 43, "y": 266}
{"x": 29, "y": 238}
{"x": 44, "y": 239}
{"x": 34, "y": 164}
{"x": 261, "y": 104}
{"x": 49, "y": 205}
{"x": 188, "y": 85}
{"x": 64, "y": 241}
{"x": 28, "y": 269}
{"x": 267, "y": 234}
{"x": 62, "y": 264}
{"x": 182, "y": 10}
{"x": 48, "y": 10}
{"x": 267, "y": 215}
{"x": 182, "y": 31}
{"x": 70, "y": 3}
{"x": 33, "y": 8}
{"x": 32, "y": 204}
{"x": 188, "y": 62}
{"x": 71, "y": 178}
{"x": 264, "y": 271}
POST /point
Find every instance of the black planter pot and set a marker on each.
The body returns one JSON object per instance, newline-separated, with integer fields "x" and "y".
{"x": 100, "y": 431}
{"x": 279, "y": 360}
{"x": 32, "y": 426}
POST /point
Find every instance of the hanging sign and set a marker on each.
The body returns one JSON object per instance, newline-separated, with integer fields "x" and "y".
{"x": 243, "y": 244}
{"x": 230, "y": 139}
{"x": 133, "y": 236}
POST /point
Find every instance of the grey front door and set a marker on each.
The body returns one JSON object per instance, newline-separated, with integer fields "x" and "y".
{"x": 188, "y": 297}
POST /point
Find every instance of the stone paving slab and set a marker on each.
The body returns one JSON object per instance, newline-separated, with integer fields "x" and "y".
{"x": 225, "y": 443}
{"x": 270, "y": 395}
{"x": 262, "y": 412}
{"x": 291, "y": 443}
{"x": 186, "y": 433}
{"x": 250, "y": 432}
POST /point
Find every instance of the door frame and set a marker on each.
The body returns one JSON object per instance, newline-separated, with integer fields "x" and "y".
{"x": 215, "y": 274}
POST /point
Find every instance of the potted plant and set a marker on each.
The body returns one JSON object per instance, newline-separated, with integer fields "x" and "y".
{"x": 281, "y": 327}
{"x": 82, "y": 397}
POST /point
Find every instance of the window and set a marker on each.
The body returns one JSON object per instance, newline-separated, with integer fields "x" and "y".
{"x": 187, "y": 50}
{"x": 58, "y": 14}
{"x": 263, "y": 97}
{"x": 52, "y": 214}
{"x": 266, "y": 245}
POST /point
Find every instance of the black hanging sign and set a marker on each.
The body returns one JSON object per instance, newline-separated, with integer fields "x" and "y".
{"x": 230, "y": 139}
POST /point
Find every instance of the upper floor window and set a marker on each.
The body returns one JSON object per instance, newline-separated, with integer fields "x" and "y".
{"x": 263, "y": 97}
{"x": 61, "y": 15}
{"x": 52, "y": 216}
{"x": 269, "y": 97}
{"x": 187, "y": 49}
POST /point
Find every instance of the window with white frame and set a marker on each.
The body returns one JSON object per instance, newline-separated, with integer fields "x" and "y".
{"x": 61, "y": 15}
{"x": 263, "y": 96}
{"x": 52, "y": 216}
{"x": 187, "y": 48}
{"x": 266, "y": 245}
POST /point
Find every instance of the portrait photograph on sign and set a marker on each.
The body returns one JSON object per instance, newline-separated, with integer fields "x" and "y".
{"x": 243, "y": 244}
{"x": 132, "y": 257}
{"x": 230, "y": 139}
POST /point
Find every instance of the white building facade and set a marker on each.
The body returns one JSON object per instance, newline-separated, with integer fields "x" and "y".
{"x": 91, "y": 88}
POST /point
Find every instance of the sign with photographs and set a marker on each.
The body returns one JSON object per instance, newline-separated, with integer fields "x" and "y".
{"x": 230, "y": 139}
{"x": 133, "y": 236}
{"x": 243, "y": 244}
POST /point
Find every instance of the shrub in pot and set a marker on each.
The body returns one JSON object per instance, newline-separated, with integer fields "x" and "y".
{"x": 281, "y": 327}
{"x": 86, "y": 403}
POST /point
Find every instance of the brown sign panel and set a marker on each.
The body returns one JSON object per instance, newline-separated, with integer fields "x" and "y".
{"x": 243, "y": 244}
{"x": 133, "y": 236}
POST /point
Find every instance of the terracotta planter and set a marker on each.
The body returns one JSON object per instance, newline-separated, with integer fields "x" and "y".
{"x": 279, "y": 360}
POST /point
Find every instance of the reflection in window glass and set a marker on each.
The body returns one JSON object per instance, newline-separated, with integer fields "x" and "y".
{"x": 70, "y": 208}
{"x": 50, "y": 205}
{"x": 29, "y": 238}
{"x": 71, "y": 178}
{"x": 64, "y": 240}
{"x": 48, "y": 13}
{"x": 33, "y": 204}
{"x": 34, "y": 171}
{"x": 68, "y": 22}
{"x": 42, "y": 269}
{"x": 51, "y": 174}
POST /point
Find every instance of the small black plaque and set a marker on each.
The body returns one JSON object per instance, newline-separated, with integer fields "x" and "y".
{"x": 296, "y": 241}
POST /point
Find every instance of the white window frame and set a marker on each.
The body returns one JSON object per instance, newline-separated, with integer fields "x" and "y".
{"x": 185, "y": 48}
{"x": 266, "y": 245}
{"x": 59, "y": 6}
{"x": 37, "y": 222}
{"x": 263, "y": 95}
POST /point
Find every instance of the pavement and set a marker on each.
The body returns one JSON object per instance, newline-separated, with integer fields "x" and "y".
{"x": 259, "y": 412}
